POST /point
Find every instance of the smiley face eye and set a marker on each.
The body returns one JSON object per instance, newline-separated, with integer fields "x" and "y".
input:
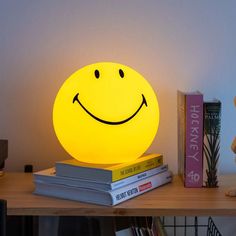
{"x": 121, "y": 72}
{"x": 97, "y": 74}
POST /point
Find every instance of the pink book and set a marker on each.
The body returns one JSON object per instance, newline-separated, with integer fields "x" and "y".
{"x": 190, "y": 135}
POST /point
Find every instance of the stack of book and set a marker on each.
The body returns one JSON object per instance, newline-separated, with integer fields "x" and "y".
{"x": 102, "y": 184}
{"x": 198, "y": 139}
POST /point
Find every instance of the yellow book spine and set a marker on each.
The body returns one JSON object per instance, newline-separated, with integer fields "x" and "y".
{"x": 136, "y": 168}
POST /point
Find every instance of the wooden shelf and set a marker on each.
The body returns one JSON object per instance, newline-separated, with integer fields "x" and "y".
{"x": 171, "y": 199}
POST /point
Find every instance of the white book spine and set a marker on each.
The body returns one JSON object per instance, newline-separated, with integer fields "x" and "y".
{"x": 134, "y": 178}
{"x": 140, "y": 187}
{"x": 49, "y": 176}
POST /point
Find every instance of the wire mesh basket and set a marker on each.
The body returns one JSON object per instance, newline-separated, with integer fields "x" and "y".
{"x": 186, "y": 226}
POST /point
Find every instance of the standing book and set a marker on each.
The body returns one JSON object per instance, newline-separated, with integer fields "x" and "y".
{"x": 212, "y": 125}
{"x": 101, "y": 197}
{"x": 107, "y": 172}
{"x": 190, "y": 138}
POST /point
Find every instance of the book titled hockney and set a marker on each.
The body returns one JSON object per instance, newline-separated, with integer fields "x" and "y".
{"x": 191, "y": 106}
{"x": 107, "y": 172}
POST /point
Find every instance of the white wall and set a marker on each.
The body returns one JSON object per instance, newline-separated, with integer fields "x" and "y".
{"x": 187, "y": 45}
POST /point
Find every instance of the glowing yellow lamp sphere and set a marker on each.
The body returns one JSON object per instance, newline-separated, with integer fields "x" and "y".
{"x": 106, "y": 113}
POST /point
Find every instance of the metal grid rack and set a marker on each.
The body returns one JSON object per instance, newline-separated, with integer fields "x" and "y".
{"x": 187, "y": 228}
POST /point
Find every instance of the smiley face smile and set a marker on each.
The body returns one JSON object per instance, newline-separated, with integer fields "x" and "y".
{"x": 144, "y": 102}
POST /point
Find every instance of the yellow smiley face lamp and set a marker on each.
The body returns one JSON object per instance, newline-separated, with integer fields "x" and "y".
{"x": 106, "y": 113}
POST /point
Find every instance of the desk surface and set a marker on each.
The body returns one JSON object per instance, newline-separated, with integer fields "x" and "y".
{"x": 171, "y": 199}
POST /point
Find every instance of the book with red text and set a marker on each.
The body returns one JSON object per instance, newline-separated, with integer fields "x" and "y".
{"x": 103, "y": 197}
{"x": 190, "y": 138}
